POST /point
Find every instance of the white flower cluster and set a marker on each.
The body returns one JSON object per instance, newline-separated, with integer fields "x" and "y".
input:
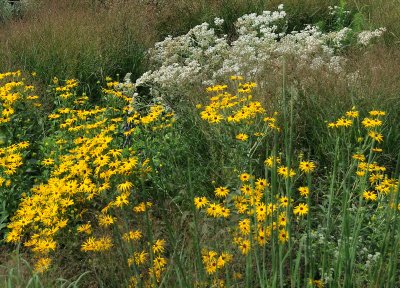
{"x": 365, "y": 37}
{"x": 372, "y": 259}
{"x": 261, "y": 47}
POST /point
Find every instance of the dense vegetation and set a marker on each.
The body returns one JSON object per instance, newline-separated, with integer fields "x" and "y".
{"x": 199, "y": 144}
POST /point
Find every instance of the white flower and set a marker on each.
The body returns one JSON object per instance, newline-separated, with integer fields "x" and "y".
{"x": 202, "y": 56}
{"x": 365, "y": 37}
{"x": 218, "y": 21}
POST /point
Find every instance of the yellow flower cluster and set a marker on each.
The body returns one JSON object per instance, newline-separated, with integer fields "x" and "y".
{"x": 95, "y": 245}
{"x": 154, "y": 269}
{"x": 237, "y": 111}
{"x": 213, "y": 262}
{"x": 256, "y": 218}
{"x": 156, "y": 118}
{"x": 252, "y": 214}
{"x": 89, "y": 176}
{"x": 13, "y": 91}
{"x": 232, "y": 108}
{"x": 10, "y": 160}
{"x": 66, "y": 90}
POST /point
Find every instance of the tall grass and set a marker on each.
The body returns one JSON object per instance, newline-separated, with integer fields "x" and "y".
{"x": 92, "y": 39}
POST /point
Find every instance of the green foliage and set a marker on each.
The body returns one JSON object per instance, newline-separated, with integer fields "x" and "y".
{"x": 6, "y": 11}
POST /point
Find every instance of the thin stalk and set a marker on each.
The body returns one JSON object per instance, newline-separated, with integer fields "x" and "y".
{"x": 330, "y": 204}
{"x": 196, "y": 241}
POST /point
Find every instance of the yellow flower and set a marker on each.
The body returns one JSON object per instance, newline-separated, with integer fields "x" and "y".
{"x": 93, "y": 244}
{"x": 352, "y": 114}
{"x": 225, "y": 212}
{"x": 371, "y": 123}
{"x": 284, "y": 201}
{"x": 48, "y": 162}
{"x": 138, "y": 257}
{"x": 244, "y": 246}
{"x": 301, "y": 209}
{"x": 236, "y": 77}
{"x": 141, "y": 207}
{"x": 106, "y": 220}
{"x": 283, "y": 236}
{"x": 246, "y": 189}
{"x": 303, "y": 191}
{"x": 159, "y": 262}
{"x": 270, "y": 161}
{"x": 200, "y": 202}
{"x": 214, "y": 210}
{"x": 121, "y": 200}
{"x": 132, "y": 235}
{"x": 261, "y": 183}
{"x": 223, "y": 259}
{"x": 221, "y": 192}
{"x": 244, "y": 226}
{"x": 42, "y": 264}
{"x": 307, "y": 166}
{"x": 242, "y": 137}
{"x": 7, "y": 112}
{"x": 282, "y": 219}
{"x": 359, "y": 157}
{"x": 244, "y": 177}
{"x": 159, "y": 246}
{"x": 126, "y": 186}
{"x": 286, "y": 172}
{"x": 377, "y": 113}
{"x": 370, "y": 195}
{"x": 85, "y": 228}
{"x": 376, "y": 136}
{"x": 343, "y": 122}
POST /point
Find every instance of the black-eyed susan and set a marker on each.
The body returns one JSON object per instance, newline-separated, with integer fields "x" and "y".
{"x": 244, "y": 177}
{"x": 221, "y": 191}
{"x": 214, "y": 210}
{"x": 246, "y": 190}
{"x": 106, "y": 220}
{"x": 159, "y": 246}
{"x": 244, "y": 226}
{"x": 378, "y": 137}
{"x": 244, "y": 246}
{"x": 283, "y": 236}
{"x": 352, "y": 114}
{"x": 304, "y": 191}
{"x": 284, "y": 201}
{"x": 301, "y": 209}
{"x": 286, "y": 172}
{"x": 377, "y": 113}
{"x": 200, "y": 202}
{"x": 85, "y": 228}
{"x": 358, "y": 156}
{"x": 282, "y": 219}
{"x": 223, "y": 259}
{"x": 370, "y": 195}
{"x": 261, "y": 183}
{"x": 270, "y": 161}
{"x": 307, "y": 166}
{"x": 242, "y": 137}
{"x": 125, "y": 186}
{"x": 42, "y": 264}
{"x": 132, "y": 235}
{"x": 371, "y": 123}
